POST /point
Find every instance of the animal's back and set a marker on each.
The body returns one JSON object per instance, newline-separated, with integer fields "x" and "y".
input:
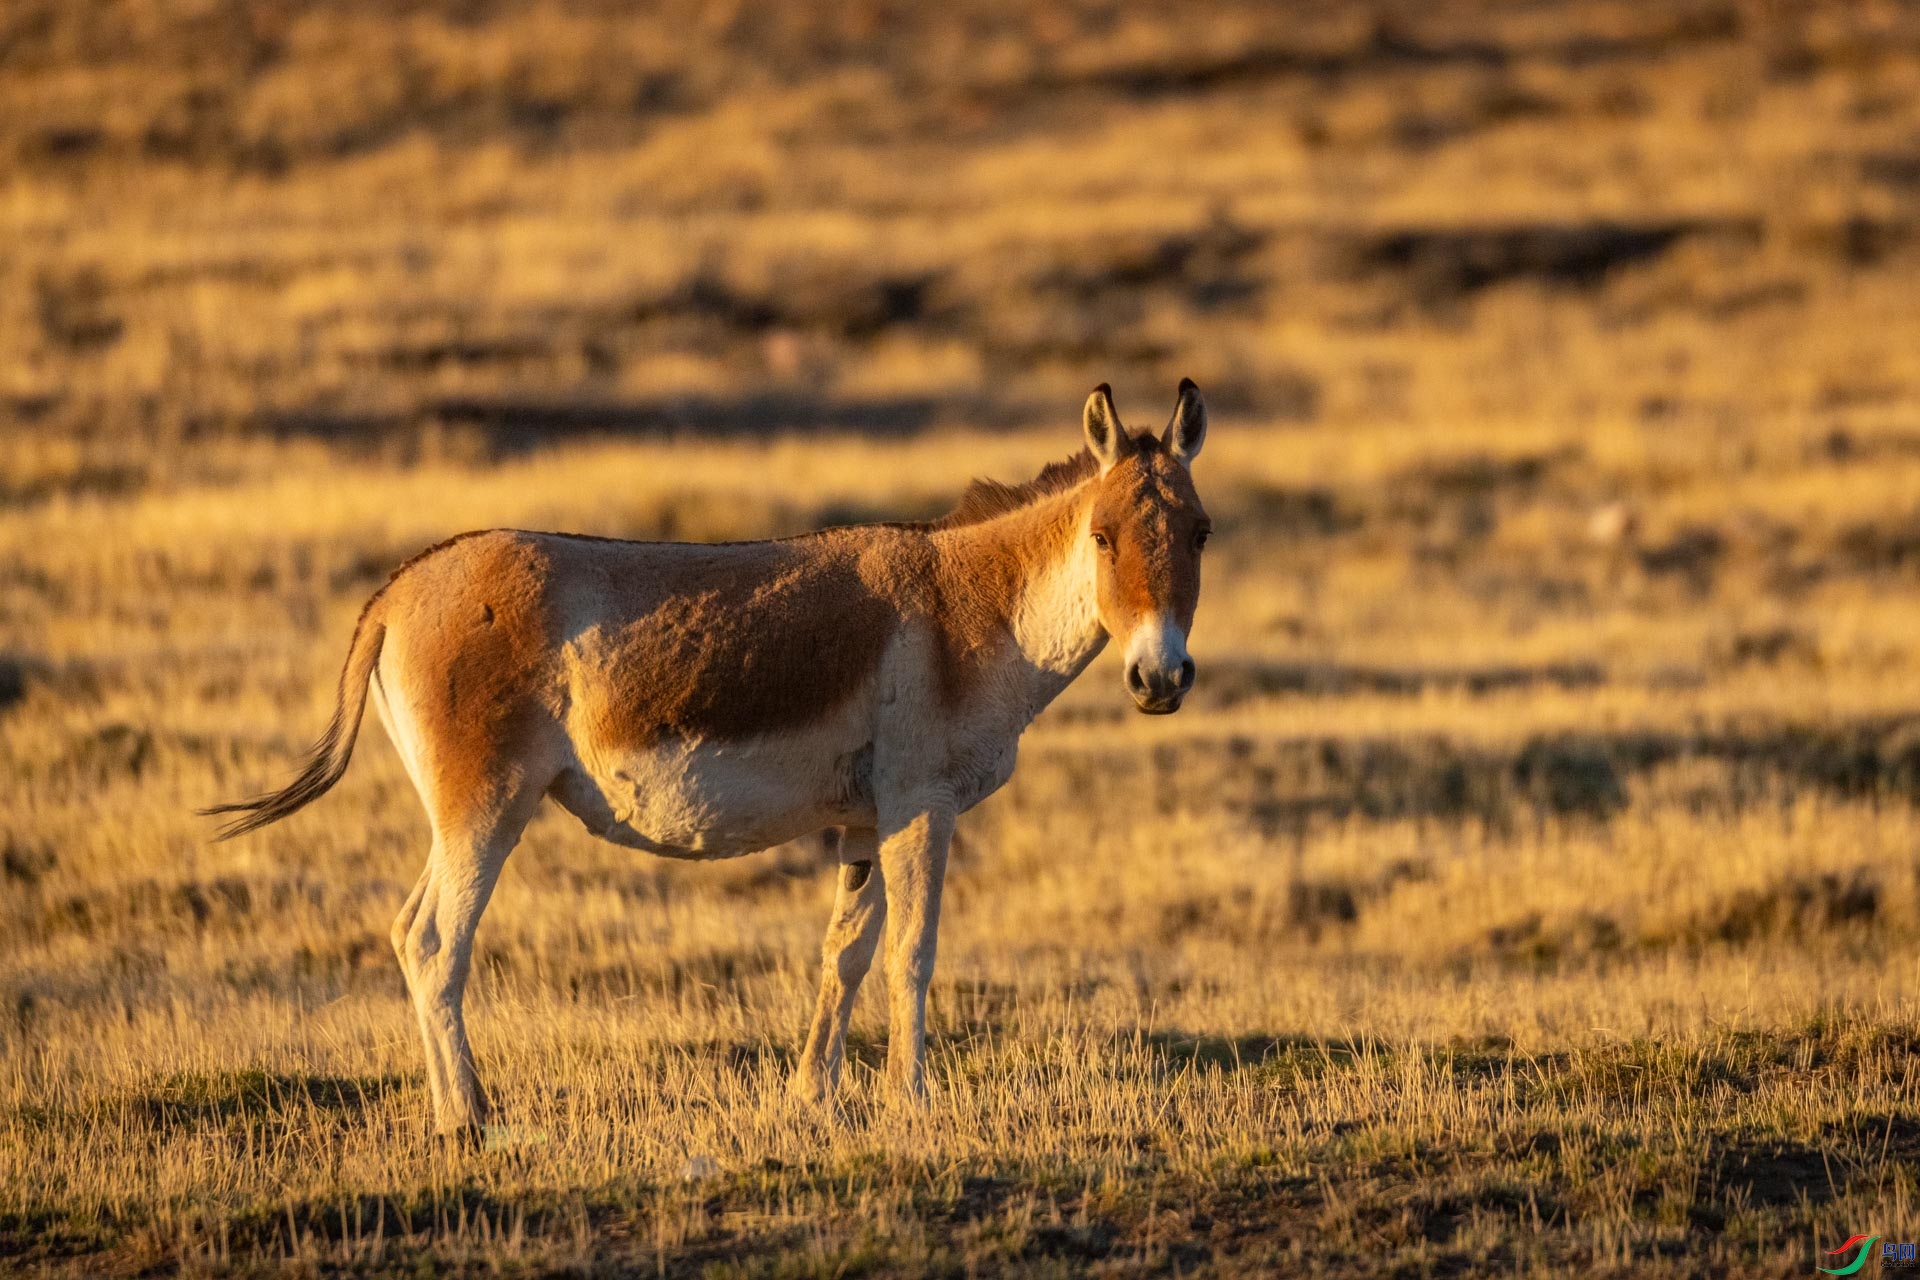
{"x": 715, "y": 641}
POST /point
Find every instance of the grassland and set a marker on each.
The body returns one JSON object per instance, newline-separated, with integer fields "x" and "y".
{"x": 1529, "y": 887}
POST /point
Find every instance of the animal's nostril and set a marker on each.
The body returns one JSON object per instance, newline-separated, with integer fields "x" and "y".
{"x": 1186, "y": 675}
{"x": 1135, "y": 681}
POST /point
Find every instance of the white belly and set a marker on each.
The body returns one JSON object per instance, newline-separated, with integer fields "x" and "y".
{"x": 714, "y": 799}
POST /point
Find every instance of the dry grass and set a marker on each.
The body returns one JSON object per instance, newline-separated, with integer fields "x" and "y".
{"x": 1529, "y": 887}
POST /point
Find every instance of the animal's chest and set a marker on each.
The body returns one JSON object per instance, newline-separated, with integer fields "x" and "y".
{"x": 981, "y": 746}
{"x": 980, "y": 766}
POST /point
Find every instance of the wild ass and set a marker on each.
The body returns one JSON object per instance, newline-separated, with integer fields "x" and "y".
{"x": 706, "y": 701}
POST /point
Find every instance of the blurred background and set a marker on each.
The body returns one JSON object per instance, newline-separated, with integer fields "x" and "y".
{"x": 1558, "y": 677}
{"x": 497, "y": 226}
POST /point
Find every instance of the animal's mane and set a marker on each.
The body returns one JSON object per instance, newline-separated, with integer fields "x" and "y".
{"x": 986, "y": 499}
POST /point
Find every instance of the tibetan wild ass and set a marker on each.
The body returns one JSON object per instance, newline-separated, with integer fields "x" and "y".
{"x": 705, "y": 701}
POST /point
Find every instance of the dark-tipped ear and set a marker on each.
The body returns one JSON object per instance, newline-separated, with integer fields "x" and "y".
{"x": 1187, "y": 429}
{"x": 1105, "y": 436}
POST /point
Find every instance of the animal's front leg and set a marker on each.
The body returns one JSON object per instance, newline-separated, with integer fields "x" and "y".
{"x": 859, "y": 911}
{"x": 913, "y": 858}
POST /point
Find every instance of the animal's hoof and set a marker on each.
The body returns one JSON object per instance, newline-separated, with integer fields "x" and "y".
{"x": 909, "y": 1088}
{"x": 809, "y": 1088}
{"x": 461, "y": 1138}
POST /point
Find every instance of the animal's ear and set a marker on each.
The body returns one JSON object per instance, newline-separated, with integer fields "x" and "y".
{"x": 1105, "y": 436}
{"x": 1187, "y": 429}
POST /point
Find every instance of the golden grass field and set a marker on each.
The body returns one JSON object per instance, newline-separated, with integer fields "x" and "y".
{"x": 1531, "y": 886}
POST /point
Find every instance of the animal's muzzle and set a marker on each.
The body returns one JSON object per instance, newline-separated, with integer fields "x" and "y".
{"x": 1159, "y": 670}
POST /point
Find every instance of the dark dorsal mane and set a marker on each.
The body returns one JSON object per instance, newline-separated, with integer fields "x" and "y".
{"x": 986, "y": 499}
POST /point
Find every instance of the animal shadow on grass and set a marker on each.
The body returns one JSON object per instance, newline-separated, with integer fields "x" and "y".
{"x": 281, "y": 1229}
{"x": 194, "y": 1099}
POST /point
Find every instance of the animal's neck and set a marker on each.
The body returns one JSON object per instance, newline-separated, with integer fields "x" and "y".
{"x": 1037, "y": 569}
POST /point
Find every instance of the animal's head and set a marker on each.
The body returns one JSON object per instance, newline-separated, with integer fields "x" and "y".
{"x": 1148, "y": 527}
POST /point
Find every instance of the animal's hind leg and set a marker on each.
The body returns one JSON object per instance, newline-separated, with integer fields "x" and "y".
{"x": 402, "y": 926}
{"x": 434, "y": 938}
{"x": 859, "y": 912}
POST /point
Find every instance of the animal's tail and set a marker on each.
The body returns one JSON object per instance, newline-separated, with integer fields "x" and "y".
{"x": 328, "y": 759}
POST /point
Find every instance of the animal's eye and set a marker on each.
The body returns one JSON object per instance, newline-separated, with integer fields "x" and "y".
{"x": 1100, "y": 541}
{"x": 1200, "y": 537}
